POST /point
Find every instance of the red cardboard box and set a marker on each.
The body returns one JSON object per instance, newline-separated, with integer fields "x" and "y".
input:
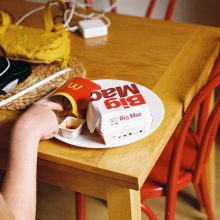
{"x": 78, "y": 92}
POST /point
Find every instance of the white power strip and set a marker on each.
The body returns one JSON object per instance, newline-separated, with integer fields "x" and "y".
{"x": 93, "y": 28}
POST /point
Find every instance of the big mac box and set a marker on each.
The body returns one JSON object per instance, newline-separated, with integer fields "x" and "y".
{"x": 118, "y": 113}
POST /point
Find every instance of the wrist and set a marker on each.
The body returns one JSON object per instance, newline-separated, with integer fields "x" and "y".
{"x": 26, "y": 131}
{"x": 24, "y": 142}
{"x": 23, "y": 153}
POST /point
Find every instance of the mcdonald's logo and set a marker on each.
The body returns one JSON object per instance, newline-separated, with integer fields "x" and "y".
{"x": 74, "y": 86}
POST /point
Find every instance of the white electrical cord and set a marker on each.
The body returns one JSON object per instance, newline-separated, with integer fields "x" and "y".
{"x": 67, "y": 19}
{"x": 69, "y": 13}
{"x": 29, "y": 14}
{"x": 8, "y": 65}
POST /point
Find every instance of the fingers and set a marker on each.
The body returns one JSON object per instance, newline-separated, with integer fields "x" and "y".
{"x": 48, "y": 136}
{"x": 52, "y": 105}
{"x": 55, "y": 106}
{"x": 51, "y": 135}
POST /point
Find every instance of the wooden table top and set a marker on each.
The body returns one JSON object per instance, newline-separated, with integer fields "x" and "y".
{"x": 171, "y": 59}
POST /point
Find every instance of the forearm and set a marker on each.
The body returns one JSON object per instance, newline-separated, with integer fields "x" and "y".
{"x": 5, "y": 212}
{"x": 19, "y": 187}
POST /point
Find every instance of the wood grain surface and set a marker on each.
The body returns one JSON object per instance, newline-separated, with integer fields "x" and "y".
{"x": 172, "y": 59}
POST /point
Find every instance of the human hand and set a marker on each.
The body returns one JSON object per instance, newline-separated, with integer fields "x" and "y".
{"x": 39, "y": 121}
{"x": 19, "y": 188}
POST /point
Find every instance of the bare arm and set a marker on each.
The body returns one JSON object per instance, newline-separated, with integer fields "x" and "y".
{"x": 19, "y": 187}
{"x": 5, "y": 212}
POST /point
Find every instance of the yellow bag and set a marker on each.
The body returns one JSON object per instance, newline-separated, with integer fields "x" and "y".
{"x": 36, "y": 45}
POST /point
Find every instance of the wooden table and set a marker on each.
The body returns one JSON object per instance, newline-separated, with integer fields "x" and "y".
{"x": 173, "y": 60}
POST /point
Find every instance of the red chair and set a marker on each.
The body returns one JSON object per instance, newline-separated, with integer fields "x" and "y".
{"x": 169, "y": 11}
{"x": 89, "y": 3}
{"x": 111, "y": 3}
{"x": 186, "y": 154}
{"x": 150, "y": 8}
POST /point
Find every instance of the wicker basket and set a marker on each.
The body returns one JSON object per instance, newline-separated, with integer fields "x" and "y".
{"x": 39, "y": 72}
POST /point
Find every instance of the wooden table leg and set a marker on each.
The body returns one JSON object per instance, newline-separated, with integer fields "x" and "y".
{"x": 210, "y": 169}
{"x": 211, "y": 182}
{"x": 123, "y": 203}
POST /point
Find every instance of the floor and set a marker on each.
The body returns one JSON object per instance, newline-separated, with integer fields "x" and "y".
{"x": 58, "y": 204}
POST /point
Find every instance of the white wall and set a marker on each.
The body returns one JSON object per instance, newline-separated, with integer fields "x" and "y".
{"x": 194, "y": 11}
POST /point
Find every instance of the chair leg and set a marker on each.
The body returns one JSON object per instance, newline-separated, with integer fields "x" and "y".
{"x": 206, "y": 198}
{"x": 80, "y": 206}
{"x": 171, "y": 198}
{"x": 199, "y": 195}
{"x": 148, "y": 211}
{"x": 89, "y": 3}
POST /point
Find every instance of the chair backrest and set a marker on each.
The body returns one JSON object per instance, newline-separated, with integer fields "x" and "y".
{"x": 111, "y": 3}
{"x": 204, "y": 109}
{"x": 150, "y": 8}
{"x": 169, "y": 11}
{"x": 208, "y": 140}
{"x": 89, "y": 4}
{"x": 208, "y": 136}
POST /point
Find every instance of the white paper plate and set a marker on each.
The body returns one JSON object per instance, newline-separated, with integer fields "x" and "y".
{"x": 87, "y": 140}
